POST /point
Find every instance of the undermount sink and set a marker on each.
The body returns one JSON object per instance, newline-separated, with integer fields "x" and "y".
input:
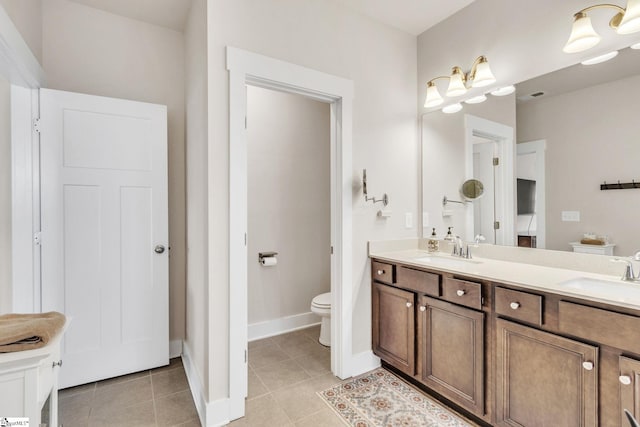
{"x": 446, "y": 260}
{"x": 610, "y": 290}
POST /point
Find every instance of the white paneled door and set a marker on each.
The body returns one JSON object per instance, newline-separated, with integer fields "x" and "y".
{"x": 105, "y": 232}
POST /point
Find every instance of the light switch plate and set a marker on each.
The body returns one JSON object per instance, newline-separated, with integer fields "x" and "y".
{"x": 571, "y": 216}
{"x": 408, "y": 220}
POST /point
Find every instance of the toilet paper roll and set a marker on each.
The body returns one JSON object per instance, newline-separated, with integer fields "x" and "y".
{"x": 269, "y": 261}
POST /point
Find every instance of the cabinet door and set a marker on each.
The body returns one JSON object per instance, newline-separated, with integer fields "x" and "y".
{"x": 452, "y": 351}
{"x": 544, "y": 379}
{"x": 629, "y": 388}
{"x": 394, "y": 326}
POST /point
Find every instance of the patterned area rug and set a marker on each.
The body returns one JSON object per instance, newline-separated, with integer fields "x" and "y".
{"x": 380, "y": 399}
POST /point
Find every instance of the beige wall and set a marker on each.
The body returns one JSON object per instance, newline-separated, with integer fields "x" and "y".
{"x": 443, "y": 167}
{"x": 90, "y": 51}
{"x": 196, "y": 151}
{"x": 289, "y": 204}
{"x": 5, "y": 196}
{"x": 27, "y": 17}
{"x": 592, "y": 137}
{"x": 381, "y": 61}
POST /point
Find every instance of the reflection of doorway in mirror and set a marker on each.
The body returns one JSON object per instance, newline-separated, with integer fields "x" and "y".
{"x": 530, "y": 166}
{"x": 484, "y": 151}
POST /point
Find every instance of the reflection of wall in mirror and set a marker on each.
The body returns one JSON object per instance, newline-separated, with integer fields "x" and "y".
{"x": 5, "y": 196}
{"x": 443, "y": 159}
{"x": 592, "y": 137}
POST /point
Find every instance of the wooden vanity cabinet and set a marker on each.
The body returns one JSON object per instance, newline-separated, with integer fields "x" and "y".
{"x": 393, "y": 322}
{"x": 544, "y": 379}
{"x": 629, "y": 381}
{"x": 452, "y": 352}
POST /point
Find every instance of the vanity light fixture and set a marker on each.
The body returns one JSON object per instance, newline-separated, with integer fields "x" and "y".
{"x": 453, "y": 108}
{"x": 583, "y": 36}
{"x": 504, "y": 91}
{"x": 479, "y": 76}
{"x": 600, "y": 58}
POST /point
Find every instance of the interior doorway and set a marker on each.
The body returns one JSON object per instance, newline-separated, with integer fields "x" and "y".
{"x": 246, "y": 68}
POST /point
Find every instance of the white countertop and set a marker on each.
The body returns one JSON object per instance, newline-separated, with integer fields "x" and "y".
{"x": 535, "y": 277}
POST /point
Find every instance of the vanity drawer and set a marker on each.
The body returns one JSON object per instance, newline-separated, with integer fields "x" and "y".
{"x": 382, "y": 272}
{"x": 606, "y": 327}
{"x": 519, "y": 305}
{"x": 462, "y": 292}
{"x": 418, "y": 281}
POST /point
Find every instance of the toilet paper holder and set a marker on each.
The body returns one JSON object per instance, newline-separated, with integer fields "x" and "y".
{"x": 262, "y": 255}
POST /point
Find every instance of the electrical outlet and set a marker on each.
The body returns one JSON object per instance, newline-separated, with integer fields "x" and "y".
{"x": 425, "y": 219}
{"x": 571, "y": 216}
{"x": 408, "y": 220}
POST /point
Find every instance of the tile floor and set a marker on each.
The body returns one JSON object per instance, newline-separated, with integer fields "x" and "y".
{"x": 159, "y": 397}
{"x": 285, "y": 372}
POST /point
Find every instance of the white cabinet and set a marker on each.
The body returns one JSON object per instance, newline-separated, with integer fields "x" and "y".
{"x": 593, "y": 249}
{"x": 27, "y": 380}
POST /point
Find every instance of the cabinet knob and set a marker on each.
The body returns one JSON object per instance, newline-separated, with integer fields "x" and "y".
{"x": 624, "y": 379}
{"x": 380, "y": 272}
{"x": 460, "y": 292}
{"x": 58, "y": 363}
{"x": 423, "y": 308}
{"x": 587, "y": 365}
{"x": 409, "y": 305}
{"x": 514, "y": 305}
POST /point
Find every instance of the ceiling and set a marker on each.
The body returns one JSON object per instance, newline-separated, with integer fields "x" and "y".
{"x": 411, "y": 16}
{"x": 165, "y": 13}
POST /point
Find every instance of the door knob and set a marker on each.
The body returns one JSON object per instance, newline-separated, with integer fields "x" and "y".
{"x": 460, "y": 292}
{"x": 159, "y": 249}
{"x": 380, "y": 272}
{"x": 423, "y": 308}
{"x": 409, "y": 305}
{"x": 587, "y": 365}
{"x": 514, "y": 305}
{"x": 624, "y": 379}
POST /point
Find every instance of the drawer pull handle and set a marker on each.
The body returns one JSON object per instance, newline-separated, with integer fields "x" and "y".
{"x": 625, "y": 379}
{"x": 587, "y": 365}
{"x": 423, "y": 308}
{"x": 380, "y": 272}
{"x": 514, "y": 305}
{"x": 409, "y": 305}
{"x": 460, "y": 292}
{"x": 58, "y": 363}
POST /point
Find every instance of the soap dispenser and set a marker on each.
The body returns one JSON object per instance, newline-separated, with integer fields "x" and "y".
{"x": 433, "y": 245}
{"x": 449, "y": 237}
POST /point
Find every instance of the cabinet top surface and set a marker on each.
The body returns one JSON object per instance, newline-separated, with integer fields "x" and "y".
{"x": 600, "y": 288}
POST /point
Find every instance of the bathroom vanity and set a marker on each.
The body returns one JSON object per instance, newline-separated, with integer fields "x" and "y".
{"x": 512, "y": 344}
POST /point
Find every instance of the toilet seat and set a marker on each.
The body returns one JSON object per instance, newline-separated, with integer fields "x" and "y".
{"x": 322, "y": 301}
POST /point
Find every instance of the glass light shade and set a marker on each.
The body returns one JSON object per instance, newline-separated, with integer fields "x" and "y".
{"x": 504, "y": 91}
{"x": 600, "y": 58}
{"x": 456, "y": 83}
{"x": 476, "y": 99}
{"x": 483, "y": 76}
{"x": 453, "y": 108}
{"x": 635, "y": 46}
{"x": 433, "y": 96}
{"x": 631, "y": 19}
{"x": 583, "y": 36}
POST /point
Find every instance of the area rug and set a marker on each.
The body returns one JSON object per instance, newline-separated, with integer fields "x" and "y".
{"x": 380, "y": 399}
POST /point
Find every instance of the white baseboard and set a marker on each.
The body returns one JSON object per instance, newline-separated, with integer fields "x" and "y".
{"x": 211, "y": 414}
{"x": 175, "y": 348}
{"x": 282, "y": 325}
{"x": 364, "y": 362}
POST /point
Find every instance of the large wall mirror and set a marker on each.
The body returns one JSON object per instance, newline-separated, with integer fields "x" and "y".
{"x": 573, "y": 130}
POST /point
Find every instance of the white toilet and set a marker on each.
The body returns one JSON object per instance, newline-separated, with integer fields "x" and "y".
{"x": 321, "y": 305}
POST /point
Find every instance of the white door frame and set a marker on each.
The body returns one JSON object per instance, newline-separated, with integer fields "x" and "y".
{"x": 504, "y": 177}
{"x": 538, "y": 148}
{"x": 21, "y": 68}
{"x": 250, "y": 68}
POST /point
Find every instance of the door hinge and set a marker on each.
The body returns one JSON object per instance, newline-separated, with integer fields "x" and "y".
{"x": 37, "y": 238}
{"x": 245, "y": 122}
{"x": 245, "y": 239}
{"x": 331, "y": 250}
{"x": 496, "y": 225}
{"x": 36, "y": 125}
{"x": 245, "y": 356}
{"x": 496, "y": 161}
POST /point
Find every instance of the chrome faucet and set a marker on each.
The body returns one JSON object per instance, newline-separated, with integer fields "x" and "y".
{"x": 459, "y": 250}
{"x": 628, "y": 275}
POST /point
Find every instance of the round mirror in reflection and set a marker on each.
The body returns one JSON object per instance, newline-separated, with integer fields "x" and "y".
{"x": 472, "y": 189}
